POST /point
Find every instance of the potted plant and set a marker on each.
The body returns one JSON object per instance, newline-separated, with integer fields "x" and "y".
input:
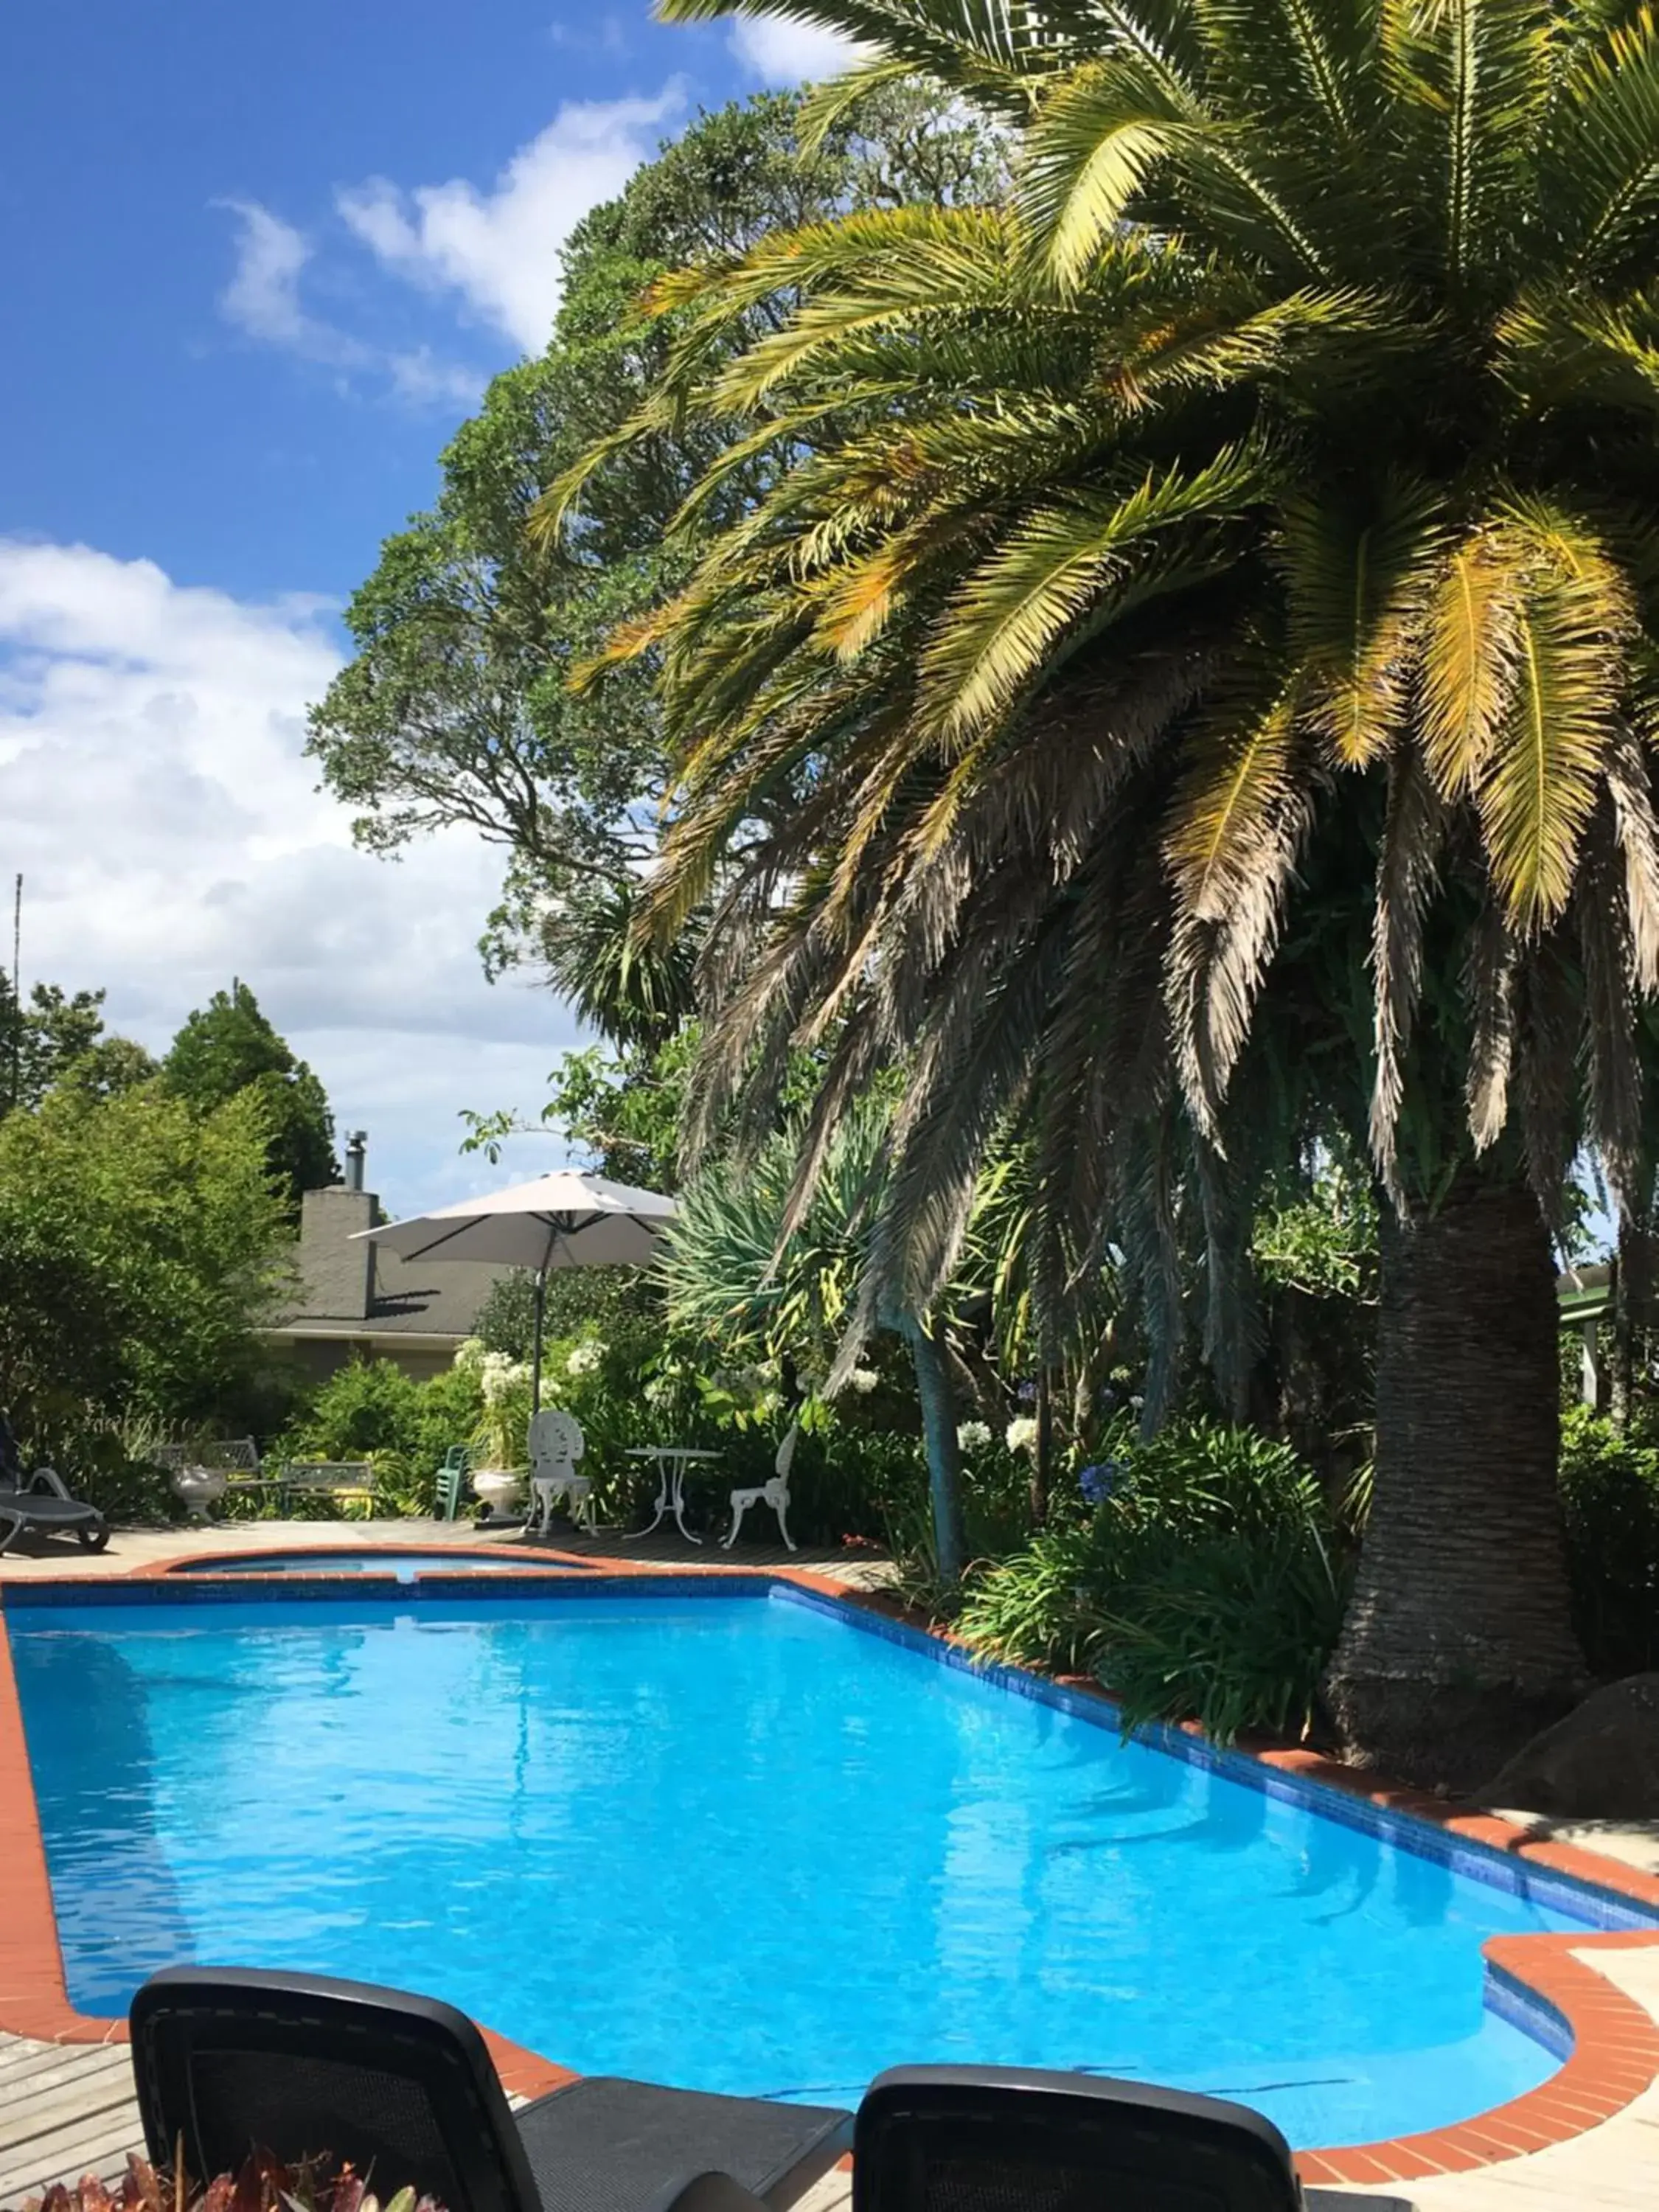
{"x": 500, "y": 1442}
{"x": 196, "y": 1488}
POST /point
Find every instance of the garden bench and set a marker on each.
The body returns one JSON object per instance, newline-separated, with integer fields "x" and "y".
{"x": 345, "y": 1478}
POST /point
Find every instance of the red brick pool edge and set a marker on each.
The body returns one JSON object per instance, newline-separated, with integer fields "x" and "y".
{"x": 1615, "y": 2042}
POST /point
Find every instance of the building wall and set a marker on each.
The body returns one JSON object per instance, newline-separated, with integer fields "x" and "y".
{"x": 319, "y": 1357}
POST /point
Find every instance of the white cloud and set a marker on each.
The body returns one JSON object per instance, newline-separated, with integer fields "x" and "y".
{"x": 263, "y": 301}
{"x": 425, "y": 380}
{"x": 263, "y": 296}
{"x": 779, "y": 51}
{"x": 152, "y": 782}
{"x": 499, "y": 248}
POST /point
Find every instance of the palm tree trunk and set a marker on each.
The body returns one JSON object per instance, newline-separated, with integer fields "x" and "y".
{"x": 1458, "y": 1644}
{"x": 938, "y": 1431}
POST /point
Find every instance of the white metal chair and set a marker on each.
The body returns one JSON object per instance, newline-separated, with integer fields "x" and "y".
{"x": 556, "y": 1444}
{"x": 775, "y": 1493}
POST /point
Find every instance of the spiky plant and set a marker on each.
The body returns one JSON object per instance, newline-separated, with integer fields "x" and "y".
{"x": 744, "y": 1265}
{"x": 1202, "y": 617}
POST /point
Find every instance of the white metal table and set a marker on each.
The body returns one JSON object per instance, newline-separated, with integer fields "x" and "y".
{"x": 672, "y": 1460}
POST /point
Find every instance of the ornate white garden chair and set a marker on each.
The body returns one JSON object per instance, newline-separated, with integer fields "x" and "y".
{"x": 555, "y": 1444}
{"x": 775, "y": 1493}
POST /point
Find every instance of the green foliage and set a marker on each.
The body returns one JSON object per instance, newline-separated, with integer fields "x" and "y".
{"x": 1322, "y": 1239}
{"x": 229, "y": 1050}
{"x": 371, "y": 1409}
{"x": 58, "y": 1038}
{"x": 1208, "y": 1584}
{"x": 140, "y": 1246}
{"x": 454, "y": 707}
{"x": 1610, "y": 1498}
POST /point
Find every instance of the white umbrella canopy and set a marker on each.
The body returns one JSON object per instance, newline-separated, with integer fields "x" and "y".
{"x": 565, "y": 1219}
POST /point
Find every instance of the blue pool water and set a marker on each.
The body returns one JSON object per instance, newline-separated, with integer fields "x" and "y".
{"x": 736, "y": 1843}
{"x": 406, "y": 1565}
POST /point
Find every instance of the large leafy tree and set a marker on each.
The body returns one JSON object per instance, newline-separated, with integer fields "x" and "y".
{"x": 1188, "y": 680}
{"x": 229, "y": 1048}
{"x": 141, "y": 1248}
{"x": 57, "y": 1036}
{"x": 454, "y": 708}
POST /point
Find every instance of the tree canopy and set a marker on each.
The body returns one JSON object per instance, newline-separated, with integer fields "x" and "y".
{"x": 1183, "y": 680}
{"x": 228, "y": 1049}
{"x": 58, "y": 1036}
{"x": 455, "y": 708}
{"x": 141, "y": 1245}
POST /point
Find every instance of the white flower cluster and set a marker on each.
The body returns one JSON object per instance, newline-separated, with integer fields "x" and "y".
{"x": 1021, "y": 1435}
{"x": 586, "y": 1358}
{"x": 499, "y": 1377}
{"x": 864, "y": 1380}
{"x": 973, "y": 1436}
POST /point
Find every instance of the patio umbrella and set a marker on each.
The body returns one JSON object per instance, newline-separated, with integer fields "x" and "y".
{"x": 565, "y": 1219}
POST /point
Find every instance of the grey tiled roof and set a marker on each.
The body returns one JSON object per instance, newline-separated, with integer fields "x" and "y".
{"x": 363, "y": 1290}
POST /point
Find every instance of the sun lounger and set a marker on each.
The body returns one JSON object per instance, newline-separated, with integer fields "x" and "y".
{"x": 967, "y": 2138}
{"x": 228, "y": 2058}
{"x": 37, "y": 1503}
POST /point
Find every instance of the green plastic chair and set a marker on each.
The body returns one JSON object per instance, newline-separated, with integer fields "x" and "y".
{"x": 450, "y": 1475}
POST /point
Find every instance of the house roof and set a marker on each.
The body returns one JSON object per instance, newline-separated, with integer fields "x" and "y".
{"x": 359, "y": 1290}
{"x": 412, "y": 1300}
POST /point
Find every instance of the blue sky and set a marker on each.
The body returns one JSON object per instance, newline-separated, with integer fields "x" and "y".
{"x": 260, "y": 263}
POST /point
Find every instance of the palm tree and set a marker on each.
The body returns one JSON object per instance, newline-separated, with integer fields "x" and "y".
{"x": 1191, "y": 681}
{"x": 636, "y": 990}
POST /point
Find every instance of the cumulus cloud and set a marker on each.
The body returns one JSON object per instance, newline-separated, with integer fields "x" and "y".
{"x": 153, "y": 782}
{"x": 263, "y": 301}
{"x": 263, "y": 296}
{"x": 498, "y": 248}
{"x": 780, "y": 52}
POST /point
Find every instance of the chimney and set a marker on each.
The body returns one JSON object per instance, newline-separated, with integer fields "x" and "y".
{"x": 339, "y": 1275}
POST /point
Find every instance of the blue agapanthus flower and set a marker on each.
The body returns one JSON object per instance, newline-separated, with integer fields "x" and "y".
{"x": 1098, "y": 1483}
{"x": 1026, "y": 1394}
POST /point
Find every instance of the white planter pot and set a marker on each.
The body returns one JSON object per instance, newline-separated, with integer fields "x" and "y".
{"x": 198, "y": 1487}
{"x": 497, "y": 1489}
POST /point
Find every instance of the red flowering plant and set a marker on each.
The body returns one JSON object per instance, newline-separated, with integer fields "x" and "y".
{"x": 265, "y": 2183}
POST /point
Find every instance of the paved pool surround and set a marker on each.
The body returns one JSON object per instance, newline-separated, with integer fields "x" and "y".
{"x": 1608, "y": 2044}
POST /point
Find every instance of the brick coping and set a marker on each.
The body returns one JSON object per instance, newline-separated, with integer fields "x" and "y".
{"x": 1614, "y": 2053}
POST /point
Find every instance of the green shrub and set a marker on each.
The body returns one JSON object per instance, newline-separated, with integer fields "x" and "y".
{"x": 1610, "y": 1499}
{"x": 372, "y": 1410}
{"x": 1207, "y": 1584}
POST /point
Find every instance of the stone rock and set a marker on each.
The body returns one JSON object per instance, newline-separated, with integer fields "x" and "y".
{"x": 1602, "y": 1762}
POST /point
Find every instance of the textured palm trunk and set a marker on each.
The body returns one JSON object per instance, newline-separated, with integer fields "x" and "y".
{"x": 1458, "y": 1643}
{"x": 938, "y": 1433}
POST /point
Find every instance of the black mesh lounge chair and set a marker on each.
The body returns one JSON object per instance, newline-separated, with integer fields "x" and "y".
{"x": 404, "y": 2085}
{"x": 993, "y": 2139}
{"x": 39, "y": 1503}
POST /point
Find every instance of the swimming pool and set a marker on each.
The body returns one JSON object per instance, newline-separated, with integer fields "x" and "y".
{"x": 406, "y": 1565}
{"x": 732, "y": 1840}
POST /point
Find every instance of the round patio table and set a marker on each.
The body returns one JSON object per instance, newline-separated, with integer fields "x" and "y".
{"x": 672, "y": 1460}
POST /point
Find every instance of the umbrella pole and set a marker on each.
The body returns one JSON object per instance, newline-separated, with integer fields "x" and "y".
{"x": 541, "y": 1309}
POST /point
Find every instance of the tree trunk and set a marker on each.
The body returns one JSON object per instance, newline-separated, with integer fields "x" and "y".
{"x": 938, "y": 1431}
{"x": 1458, "y": 1644}
{"x": 1633, "y": 1310}
{"x": 1043, "y": 1457}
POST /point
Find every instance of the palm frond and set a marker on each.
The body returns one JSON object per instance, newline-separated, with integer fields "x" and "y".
{"x": 1407, "y": 869}
{"x": 1055, "y": 566}
{"x": 1541, "y": 782}
{"x": 1357, "y": 582}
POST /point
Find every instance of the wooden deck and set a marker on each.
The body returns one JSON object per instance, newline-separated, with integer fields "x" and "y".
{"x": 66, "y": 2109}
